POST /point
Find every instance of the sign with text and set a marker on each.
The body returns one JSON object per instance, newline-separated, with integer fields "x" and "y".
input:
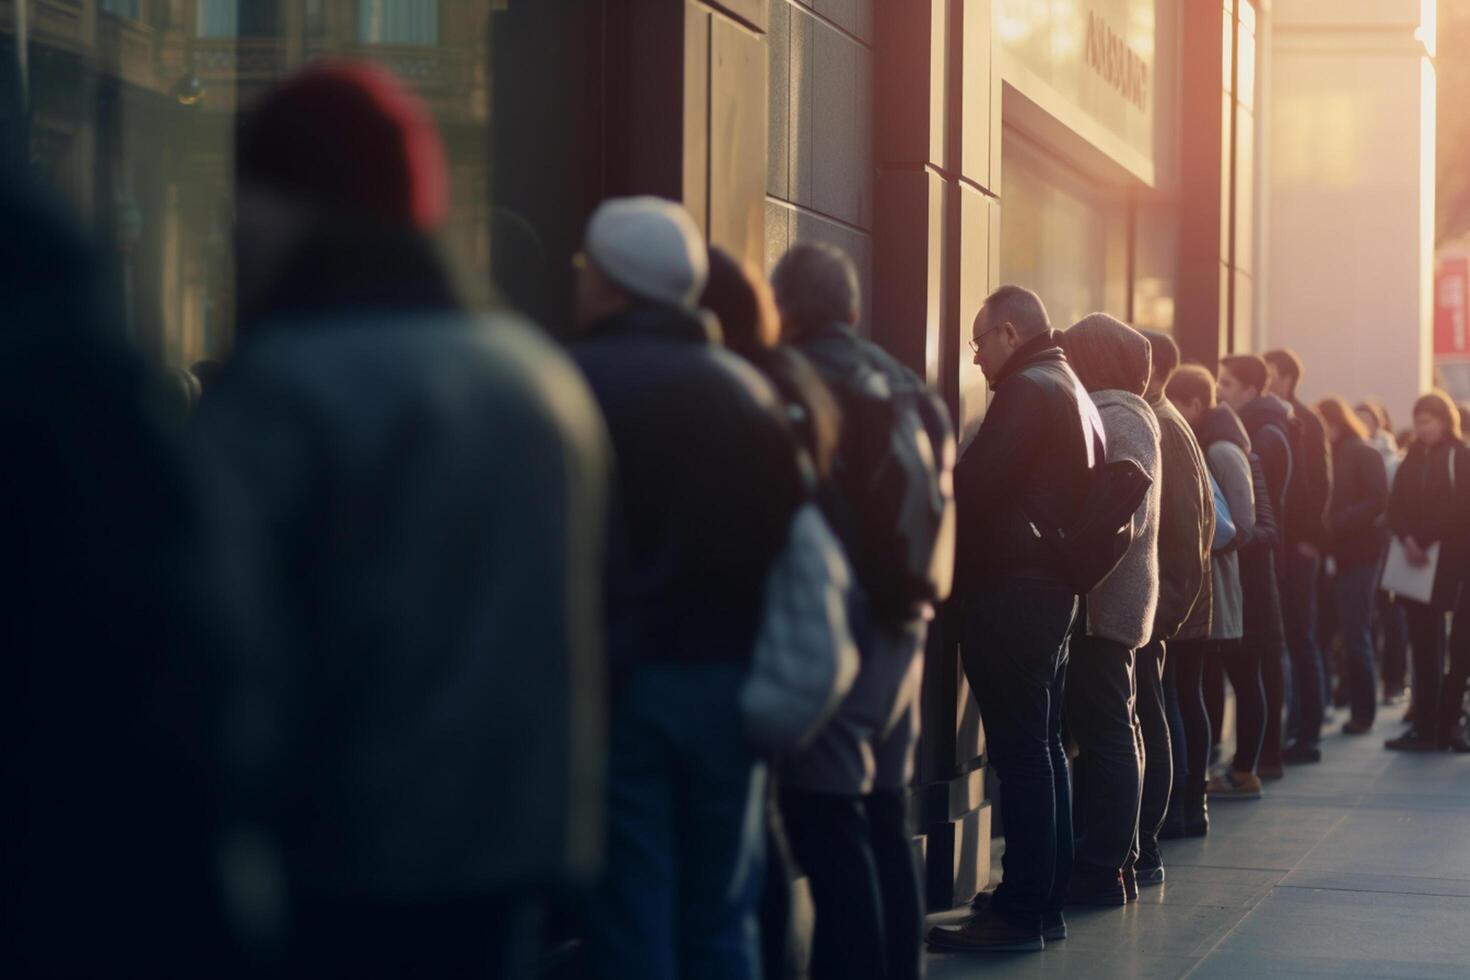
{"x": 1451, "y": 298}
{"x": 1093, "y": 64}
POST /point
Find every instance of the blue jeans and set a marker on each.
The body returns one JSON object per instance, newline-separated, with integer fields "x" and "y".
{"x": 1014, "y": 649}
{"x": 1299, "y": 616}
{"x": 686, "y": 803}
{"x": 1356, "y": 587}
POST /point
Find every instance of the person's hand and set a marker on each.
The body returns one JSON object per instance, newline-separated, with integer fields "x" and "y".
{"x": 1309, "y": 550}
{"x": 1417, "y": 556}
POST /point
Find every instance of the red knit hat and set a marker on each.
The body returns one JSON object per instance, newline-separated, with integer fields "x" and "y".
{"x": 351, "y": 137}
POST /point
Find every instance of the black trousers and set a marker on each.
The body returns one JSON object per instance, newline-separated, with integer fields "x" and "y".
{"x": 831, "y": 839}
{"x": 1242, "y": 663}
{"x": 1394, "y": 652}
{"x": 1273, "y": 686}
{"x": 1452, "y": 698}
{"x": 1213, "y": 681}
{"x": 1188, "y": 660}
{"x": 899, "y": 883}
{"x": 1427, "y": 645}
{"x": 1157, "y": 752}
{"x": 445, "y": 938}
{"x": 1101, "y": 711}
{"x": 1015, "y": 651}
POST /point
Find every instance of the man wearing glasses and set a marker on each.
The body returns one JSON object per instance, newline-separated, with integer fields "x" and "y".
{"x": 1027, "y": 468}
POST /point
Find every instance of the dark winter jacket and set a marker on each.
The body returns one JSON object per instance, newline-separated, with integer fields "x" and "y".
{"x": 708, "y": 476}
{"x": 1427, "y": 505}
{"x": 1186, "y": 528}
{"x": 1029, "y": 462}
{"x": 1311, "y": 486}
{"x": 114, "y": 636}
{"x": 1272, "y": 429}
{"x": 838, "y": 354}
{"x": 430, "y": 492}
{"x": 1259, "y": 550}
{"x": 1359, "y": 501}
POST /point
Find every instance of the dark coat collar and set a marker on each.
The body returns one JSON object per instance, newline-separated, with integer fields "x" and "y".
{"x": 1037, "y": 350}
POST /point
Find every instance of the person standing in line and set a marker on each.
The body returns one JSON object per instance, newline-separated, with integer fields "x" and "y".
{"x": 845, "y": 796}
{"x": 1113, "y": 362}
{"x": 741, "y": 299}
{"x": 427, "y": 491}
{"x": 1357, "y": 538}
{"x": 1227, "y": 450}
{"x": 1305, "y": 535}
{"x": 1186, "y": 530}
{"x": 708, "y": 478}
{"x": 1030, "y": 461}
{"x": 1426, "y": 508}
{"x": 1269, "y": 422}
{"x": 1388, "y": 615}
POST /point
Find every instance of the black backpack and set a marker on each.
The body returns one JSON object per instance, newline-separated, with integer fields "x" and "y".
{"x": 897, "y": 480}
{"x": 1093, "y": 545}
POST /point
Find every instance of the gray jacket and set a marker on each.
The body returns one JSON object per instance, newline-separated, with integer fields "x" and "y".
{"x": 1121, "y": 608}
{"x": 429, "y": 495}
{"x": 1232, "y": 470}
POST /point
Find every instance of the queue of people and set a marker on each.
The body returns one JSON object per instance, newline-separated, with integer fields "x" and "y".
{"x": 429, "y": 638}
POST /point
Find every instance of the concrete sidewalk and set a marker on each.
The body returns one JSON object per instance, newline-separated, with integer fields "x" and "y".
{"x": 1357, "y": 867}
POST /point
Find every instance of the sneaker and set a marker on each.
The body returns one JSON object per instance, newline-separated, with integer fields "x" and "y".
{"x": 1130, "y": 884}
{"x": 1053, "y": 926}
{"x": 986, "y": 933}
{"x": 1355, "y": 727}
{"x": 1235, "y": 786}
{"x": 1411, "y": 741}
{"x": 1266, "y": 770}
{"x": 1301, "y": 754}
{"x": 1096, "y": 886}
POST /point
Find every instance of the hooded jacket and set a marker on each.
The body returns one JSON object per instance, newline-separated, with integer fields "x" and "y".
{"x": 1030, "y": 461}
{"x": 1226, "y": 447}
{"x": 1186, "y": 529}
{"x": 1311, "y": 488}
{"x": 1273, "y": 430}
{"x": 1359, "y": 501}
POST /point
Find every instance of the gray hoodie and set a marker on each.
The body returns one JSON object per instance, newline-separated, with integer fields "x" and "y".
{"x": 1121, "y": 608}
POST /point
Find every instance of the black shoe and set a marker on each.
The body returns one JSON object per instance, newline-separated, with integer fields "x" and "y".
{"x": 1196, "y": 815}
{"x": 1301, "y": 754}
{"x": 1096, "y": 886}
{"x": 1457, "y": 743}
{"x": 1356, "y": 727}
{"x": 1053, "y": 926}
{"x": 1411, "y": 741}
{"x": 986, "y": 933}
{"x": 1174, "y": 827}
{"x": 1130, "y": 884}
{"x": 1148, "y": 877}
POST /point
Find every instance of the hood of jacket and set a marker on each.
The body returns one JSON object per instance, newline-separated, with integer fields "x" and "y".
{"x": 1037, "y": 350}
{"x": 1107, "y": 354}
{"x": 1265, "y": 410}
{"x": 1221, "y": 424}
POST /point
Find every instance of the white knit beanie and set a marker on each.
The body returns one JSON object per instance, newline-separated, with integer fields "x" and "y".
{"x": 651, "y": 248}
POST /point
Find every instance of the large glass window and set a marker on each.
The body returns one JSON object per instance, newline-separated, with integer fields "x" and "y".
{"x": 1062, "y": 236}
{"x": 134, "y": 128}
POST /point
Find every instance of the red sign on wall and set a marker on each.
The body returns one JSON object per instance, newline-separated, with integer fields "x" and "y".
{"x": 1452, "y": 307}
